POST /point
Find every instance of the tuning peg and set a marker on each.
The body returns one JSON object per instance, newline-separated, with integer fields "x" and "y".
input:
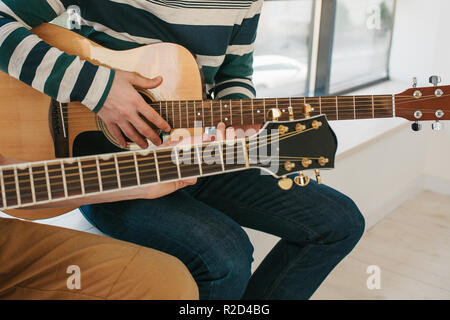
{"x": 414, "y": 82}
{"x": 416, "y": 126}
{"x": 301, "y": 179}
{"x": 437, "y": 126}
{"x": 285, "y": 183}
{"x": 318, "y": 177}
{"x": 435, "y": 80}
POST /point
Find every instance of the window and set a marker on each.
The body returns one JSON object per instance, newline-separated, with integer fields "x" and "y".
{"x": 313, "y": 47}
{"x": 361, "y": 45}
{"x": 282, "y": 48}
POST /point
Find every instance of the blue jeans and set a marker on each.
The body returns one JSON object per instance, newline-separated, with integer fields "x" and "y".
{"x": 201, "y": 225}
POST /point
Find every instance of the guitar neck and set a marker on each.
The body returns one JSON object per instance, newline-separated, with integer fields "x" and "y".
{"x": 56, "y": 180}
{"x": 207, "y": 113}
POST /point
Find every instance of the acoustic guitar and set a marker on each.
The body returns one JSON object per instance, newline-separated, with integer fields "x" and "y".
{"x": 35, "y": 127}
{"x": 284, "y": 149}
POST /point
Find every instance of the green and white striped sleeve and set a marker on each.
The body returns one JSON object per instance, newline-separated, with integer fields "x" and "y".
{"x": 26, "y": 57}
{"x": 234, "y": 77}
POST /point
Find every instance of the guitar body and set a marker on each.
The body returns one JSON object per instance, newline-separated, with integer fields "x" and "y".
{"x": 33, "y": 127}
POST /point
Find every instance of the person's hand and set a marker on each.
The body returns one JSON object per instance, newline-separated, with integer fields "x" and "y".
{"x": 124, "y": 108}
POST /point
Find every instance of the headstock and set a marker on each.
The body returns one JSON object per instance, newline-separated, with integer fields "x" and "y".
{"x": 424, "y": 104}
{"x": 286, "y": 149}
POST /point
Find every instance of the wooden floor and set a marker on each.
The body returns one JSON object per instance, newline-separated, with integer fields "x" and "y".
{"x": 412, "y": 249}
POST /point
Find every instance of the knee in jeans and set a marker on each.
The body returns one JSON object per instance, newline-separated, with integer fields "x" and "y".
{"x": 346, "y": 222}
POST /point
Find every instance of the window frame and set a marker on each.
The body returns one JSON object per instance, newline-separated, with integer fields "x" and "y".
{"x": 323, "y": 22}
{"x": 324, "y": 55}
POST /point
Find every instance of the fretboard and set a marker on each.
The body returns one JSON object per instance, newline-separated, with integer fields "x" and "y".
{"x": 207, "y": 113}
{"x": 50, "y": 181}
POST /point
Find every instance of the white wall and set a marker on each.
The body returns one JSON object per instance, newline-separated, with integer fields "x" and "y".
{"x": 421, "y": 44}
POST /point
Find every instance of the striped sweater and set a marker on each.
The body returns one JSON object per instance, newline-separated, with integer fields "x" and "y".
{"x": 221, "y": 34}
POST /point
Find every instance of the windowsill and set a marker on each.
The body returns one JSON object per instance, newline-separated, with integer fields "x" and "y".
{"x": 354, "y": 133}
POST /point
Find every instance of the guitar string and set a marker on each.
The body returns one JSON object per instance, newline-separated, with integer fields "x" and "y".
{"x": 369, "y": 106}
{"x": 134, "y": 173}
{"x": 234, "y": 142}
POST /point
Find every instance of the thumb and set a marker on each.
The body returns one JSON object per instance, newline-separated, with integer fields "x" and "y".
{"x": 145, "y": 83}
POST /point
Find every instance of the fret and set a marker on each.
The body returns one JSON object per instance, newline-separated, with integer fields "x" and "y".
{"x": 162, "y": 110}
{"x": 245, "y": 151}
{"x": 158, "y": 178}
{"x": 136, "y": 168}
{"x": 2, "y": 190}
{"x": 212, "y": 115}
{"x": 231, "y": 112}
{"x": 195, "y": 116}
{"x": 177, "y": 161}
{"x": 16, "y": 182}
{"x": 168, "y": 168}
{"x": 47, "y": 180}
{"x": 179, "y": 114}
{"x": 329, "y": 107}
{"x": 393, "y": 106}
{"x": 383, "y": 107}
{"x": 373, "y": 108}
{"x": 242, "y": 114}
{"x": 259, "y": 115}
{"x": 63, "y": 173}
{"x": 235, "y": 158}
{"x": 287, "y": 108}
{"x": 173, "y": 114}
{"x": 337, "y": 109}
{"x": 9, "y": 190}
{"x": 147, "y": 167}
{"x": 99, "y": 174}
{"x": 320, "y": 105}
{"x": 189, "y": 163}
{"x": 187, "y": 113}
{"x": 119, "y": 185}
{"x": 199, "y": 159}
{"x": 167, "y": 113}
{"x": 108, "y": 173}
{"x": 33, "y": 190}
{"x": 127, "y": 172}
{"x": 363, "y": 109}
{"x": 211, "y": 159}
{"x": 90, "y": 175}
{"x": 56, "y": 182}
{"x": 22, "y": 180}
{"x": 354, "y": 107}
{"x": 253, "y": 113}
{"x": 41, "y": 183}
{"x": 72, "y": 178}
{"x": 221, "y": 113}
{"x": 203, "y": 114}
{"x": 80, "y": 170}
{"x": 346, "y": 109}
{"x": 264, "y": 109}
{"x": 222, "y": 162}
{"x": 314, "y": 103}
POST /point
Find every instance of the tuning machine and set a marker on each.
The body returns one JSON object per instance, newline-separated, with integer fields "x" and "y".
{"x": 435, "y": 80}
{"x": 318, "y": 177}
{"x": 437, "y": 126}
{"x": 285, "y": 183}
{"x": 301, "y": 179}
{"x": 416, "y": 126}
